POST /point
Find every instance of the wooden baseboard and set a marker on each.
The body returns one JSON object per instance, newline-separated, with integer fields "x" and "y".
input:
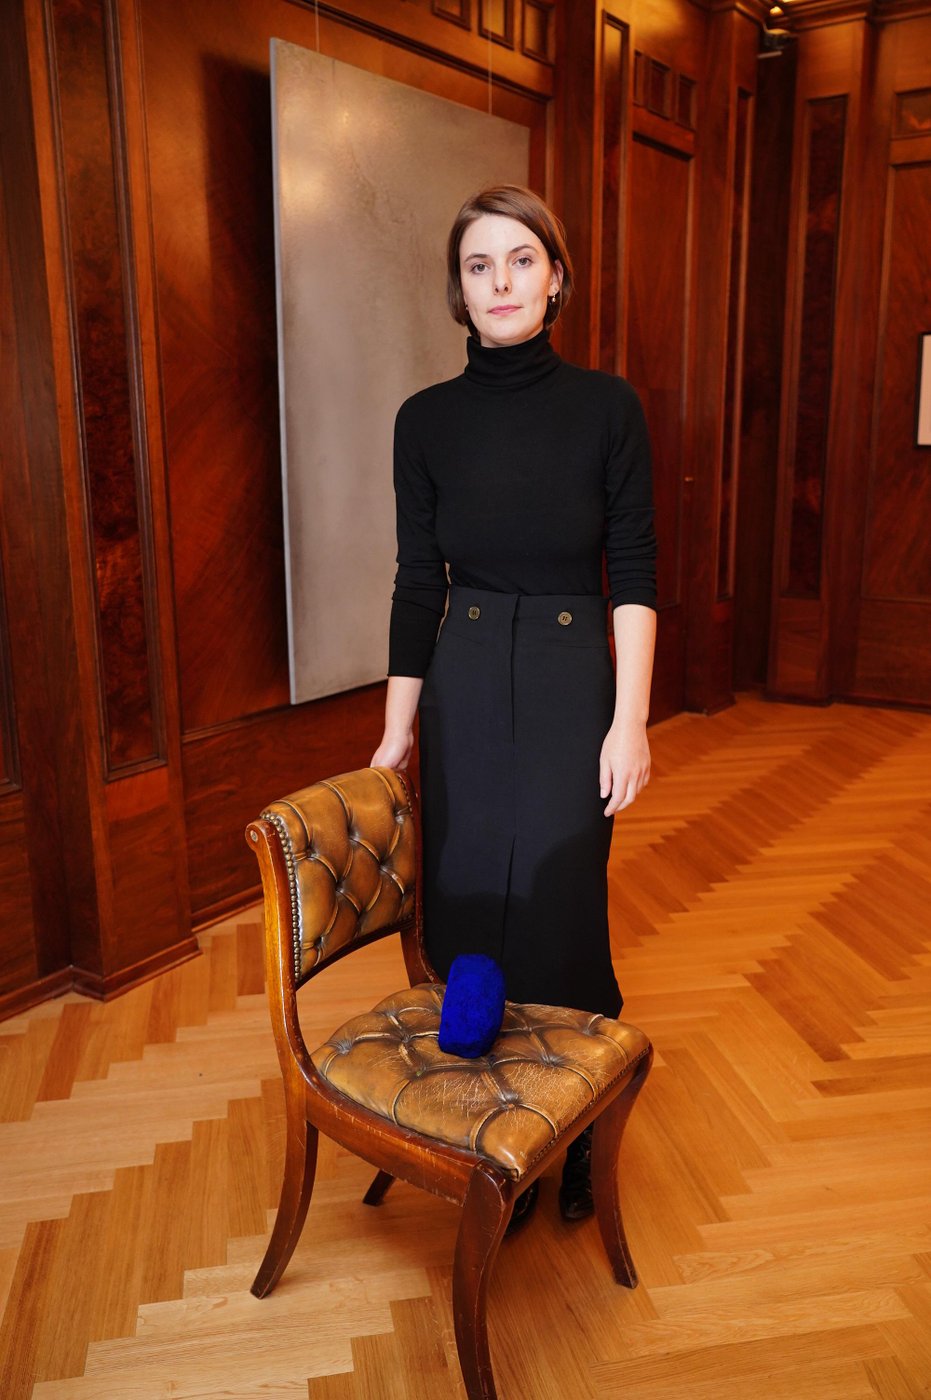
{"x": 103, "y": 988}
{"x": 223, "y": 908}
{"x": 92, "y": 984}
{"x": 12, "y": 1003}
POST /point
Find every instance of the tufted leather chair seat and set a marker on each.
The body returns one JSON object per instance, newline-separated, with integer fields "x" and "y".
{"x": 548, "y": 1064}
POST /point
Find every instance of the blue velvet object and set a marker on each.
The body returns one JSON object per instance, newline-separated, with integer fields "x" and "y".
{"x": 473, "y": 1006}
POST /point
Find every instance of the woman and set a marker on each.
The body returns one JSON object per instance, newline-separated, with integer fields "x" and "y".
{"x": 520, "y": 472}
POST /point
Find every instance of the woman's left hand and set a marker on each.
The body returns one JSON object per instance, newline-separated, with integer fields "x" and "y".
{"x": 624, "y": 766}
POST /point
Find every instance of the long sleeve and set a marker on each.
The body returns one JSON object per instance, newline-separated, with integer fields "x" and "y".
{"x": 630, "y": 538}
{"x": 420, "y": 586}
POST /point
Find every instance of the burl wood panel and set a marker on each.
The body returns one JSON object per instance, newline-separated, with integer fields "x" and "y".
{"x": 91, "y": 178}
{"x": 764, "y": 323}
{"x": 825, "y": 158}
{"x": 897, "y": 554}
{"x": 735, "y": 305}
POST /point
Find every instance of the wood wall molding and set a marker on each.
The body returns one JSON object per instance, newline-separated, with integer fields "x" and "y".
{"x": 800, "y": 15}
{"x": 763, "y": 335}
{"x": 824, "y": 133}
{"x": 111, "y": 439}
{"x": 736, "y": 307}
{"x": 451, "y": 33}
{"x": 820, "y": 274}
{"x": 892, "y": 660}
{"x": 614, "y": 185}
{"x": 106, "y": 860}
{"x": 757, "y": 11}
{"x": 538, "y": 30}
{"x": 669, "y": 127}
{"x": 51, "y": 818}
{"x": 725, "y": 136}
{"x": 852, "y": 582}
{"x": 496, "y": 21}
{"x": 9, "y": 743}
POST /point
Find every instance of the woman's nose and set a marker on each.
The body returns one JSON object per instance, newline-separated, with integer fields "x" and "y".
{"x": 501, "y": 283}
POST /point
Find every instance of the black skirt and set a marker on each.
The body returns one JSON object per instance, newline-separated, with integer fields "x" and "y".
{"x": 515, "y": 705}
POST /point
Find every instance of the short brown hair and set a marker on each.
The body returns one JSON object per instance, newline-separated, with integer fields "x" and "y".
{"x": 515, "y": 202}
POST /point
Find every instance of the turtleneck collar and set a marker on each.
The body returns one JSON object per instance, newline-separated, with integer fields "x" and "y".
{"x": 511, "y": 366}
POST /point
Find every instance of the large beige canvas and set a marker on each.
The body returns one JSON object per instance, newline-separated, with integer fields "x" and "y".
{"x": 369, "y": 175}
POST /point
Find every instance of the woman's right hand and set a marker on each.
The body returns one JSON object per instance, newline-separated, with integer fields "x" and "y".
{"x": 394, "y": 751}
{"x": 401, "y": 700}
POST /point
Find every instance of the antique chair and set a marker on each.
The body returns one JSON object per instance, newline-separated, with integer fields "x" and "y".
{"x": 340, "y": 867}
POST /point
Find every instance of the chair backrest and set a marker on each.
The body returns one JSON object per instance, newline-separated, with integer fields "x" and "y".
{"x": 350, "y": 856}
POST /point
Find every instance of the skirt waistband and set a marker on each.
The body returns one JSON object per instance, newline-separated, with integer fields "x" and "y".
{"x": 569, "y": 618}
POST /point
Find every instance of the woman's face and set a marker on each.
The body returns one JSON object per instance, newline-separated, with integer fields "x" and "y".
{"x": 506, "y": 278}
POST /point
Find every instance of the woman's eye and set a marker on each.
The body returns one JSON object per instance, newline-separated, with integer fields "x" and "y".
{"x": 525, "y": 257}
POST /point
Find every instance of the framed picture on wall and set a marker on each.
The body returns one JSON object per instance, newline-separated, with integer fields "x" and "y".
{"x": 923, "y": 414}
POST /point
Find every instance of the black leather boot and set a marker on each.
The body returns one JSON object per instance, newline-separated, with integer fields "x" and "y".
{"x": 575, "y": 1193}
{"x": 523, "y": 1207}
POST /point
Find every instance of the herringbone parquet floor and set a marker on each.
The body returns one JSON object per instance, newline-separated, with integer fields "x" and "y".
{"x": 771, "y": 890}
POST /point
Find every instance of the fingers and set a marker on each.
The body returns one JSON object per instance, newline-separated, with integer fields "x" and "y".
{"x": 623, "y": 791}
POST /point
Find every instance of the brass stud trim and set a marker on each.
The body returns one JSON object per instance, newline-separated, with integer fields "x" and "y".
{"x": 297, "y": 926}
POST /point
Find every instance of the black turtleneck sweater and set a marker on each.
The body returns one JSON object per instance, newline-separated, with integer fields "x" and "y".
{"x": 520, "y": 473}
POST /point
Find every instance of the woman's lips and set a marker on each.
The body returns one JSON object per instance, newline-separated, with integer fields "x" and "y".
{"x": 503, "y": 310}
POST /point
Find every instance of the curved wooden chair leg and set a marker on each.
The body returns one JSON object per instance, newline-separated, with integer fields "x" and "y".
{"x": 300, "y": 1168}
{"x": 376, "y": 1192}
{"x": 606, "y": 1144}
{"x": 485, "y": 1215}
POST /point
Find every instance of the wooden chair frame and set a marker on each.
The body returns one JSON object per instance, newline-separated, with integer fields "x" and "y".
{"x": 485, "y": 1192}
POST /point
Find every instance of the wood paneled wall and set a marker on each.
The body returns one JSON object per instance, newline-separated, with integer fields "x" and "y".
{"x": 144, "y": 717}
{"x": 851, "y": 596}
{"x": 655, "y": 105}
